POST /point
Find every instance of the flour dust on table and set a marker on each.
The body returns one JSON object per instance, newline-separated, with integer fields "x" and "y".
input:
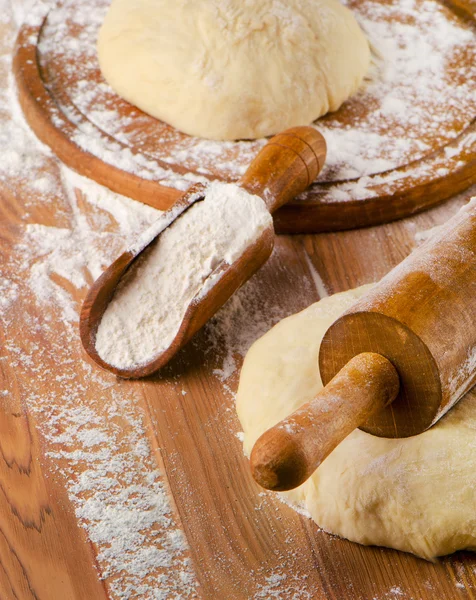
{"x": 414, "y": 494}
{"x": 60, "y": 241}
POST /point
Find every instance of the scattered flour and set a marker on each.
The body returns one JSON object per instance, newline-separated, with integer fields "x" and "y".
{"x": 276, "y": 582}
{"x": 246, "y": 316}
{"x": 118, "y": 493}
{"x": 71, "y": 230}
{"x": 422, "y": 236}
{"x": 318, "y": 282}
{"x": 146, "y": 311}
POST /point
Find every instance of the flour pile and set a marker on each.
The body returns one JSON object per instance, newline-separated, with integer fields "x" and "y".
{"x": 148, "y": 307}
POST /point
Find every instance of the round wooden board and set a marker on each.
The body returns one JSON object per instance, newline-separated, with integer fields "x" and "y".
{"x": 382, "y": 164}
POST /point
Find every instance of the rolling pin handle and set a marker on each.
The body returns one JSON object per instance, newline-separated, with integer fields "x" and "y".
{"x": 288, "y": 453}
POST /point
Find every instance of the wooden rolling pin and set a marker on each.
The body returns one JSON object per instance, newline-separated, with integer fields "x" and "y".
{"x": 393, "y": 364}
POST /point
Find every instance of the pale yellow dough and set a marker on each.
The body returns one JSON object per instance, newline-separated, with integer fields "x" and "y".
{"x": 416, "y": 494}
{"x": 230, "y": 69}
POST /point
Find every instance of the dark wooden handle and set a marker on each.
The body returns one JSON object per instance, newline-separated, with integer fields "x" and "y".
{"x": 286, "y": 166}
{"x": 288, "y": 453}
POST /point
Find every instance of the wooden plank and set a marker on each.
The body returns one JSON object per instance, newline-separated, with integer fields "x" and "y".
{"x": 238, "y": 534}
{"x": 43, "y": 552}
{"x": 51, "y": 394}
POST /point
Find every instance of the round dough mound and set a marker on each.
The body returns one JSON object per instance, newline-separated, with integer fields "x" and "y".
{"x": 415, "y": 494}
{"x": 233, "y": 69}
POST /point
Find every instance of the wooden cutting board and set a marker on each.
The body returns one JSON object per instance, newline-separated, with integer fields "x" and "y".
{"x": 92, "y": 130}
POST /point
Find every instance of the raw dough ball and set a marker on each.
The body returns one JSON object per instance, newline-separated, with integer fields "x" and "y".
{"x": 415, "y": 494}
{"x": 230, "y": 69}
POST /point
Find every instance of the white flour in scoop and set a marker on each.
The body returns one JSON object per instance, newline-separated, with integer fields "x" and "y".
{"x": 149, "y": 304}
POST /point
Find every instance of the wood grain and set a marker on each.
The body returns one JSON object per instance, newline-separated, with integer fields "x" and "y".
{"x": 44, "y": 554}
{"x": 413, "y": 317}
{"x": 45, "y": 92}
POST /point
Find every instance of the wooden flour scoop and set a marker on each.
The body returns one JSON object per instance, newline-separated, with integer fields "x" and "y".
{"x": 393, "y": 364}
{"x": 283, "y": 169}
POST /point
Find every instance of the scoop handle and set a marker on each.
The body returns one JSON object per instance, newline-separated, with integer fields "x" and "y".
{"x": 288, "y": 453}
{"x": 286, "y": 166}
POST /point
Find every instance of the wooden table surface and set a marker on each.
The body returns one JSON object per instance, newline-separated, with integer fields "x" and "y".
{"x": 238, "y": 536}
{"x": 243, "y": 542}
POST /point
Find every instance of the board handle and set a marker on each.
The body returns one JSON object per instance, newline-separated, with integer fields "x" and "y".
{"x": 286, "y": 166}
{"x": 288, "y": 453}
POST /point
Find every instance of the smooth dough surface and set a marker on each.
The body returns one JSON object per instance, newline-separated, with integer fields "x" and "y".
{"x": 416, "y": 494}
{"x": 231, "y": 69}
